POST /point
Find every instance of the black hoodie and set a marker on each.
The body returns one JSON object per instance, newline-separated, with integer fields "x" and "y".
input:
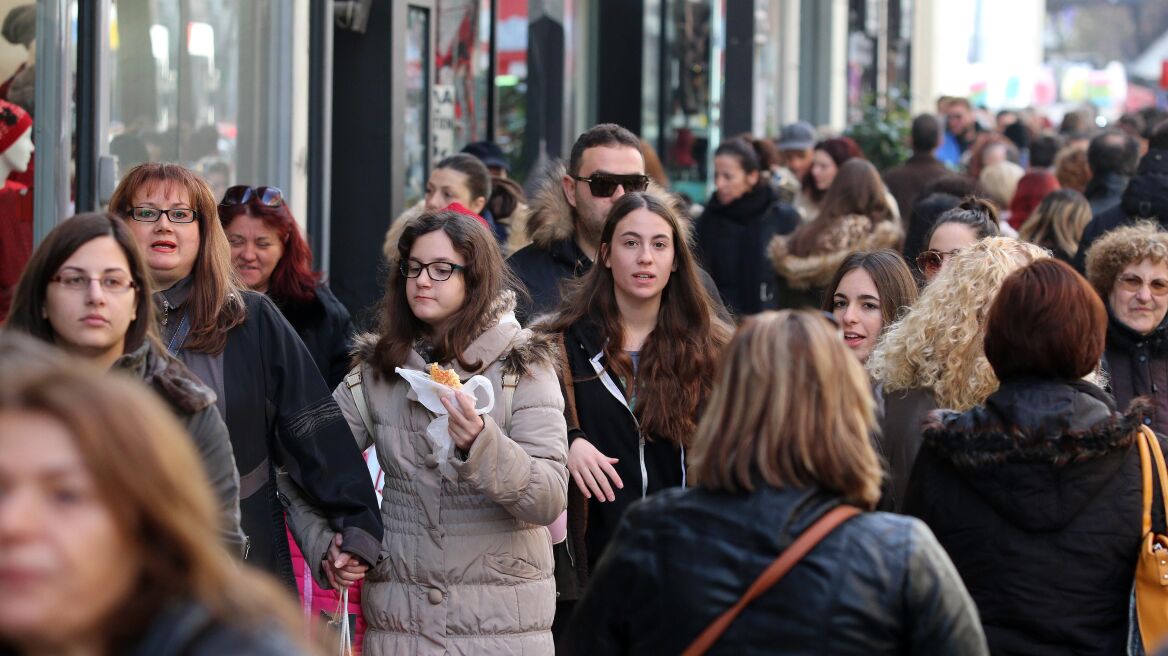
{"x": 1036, "y": 496}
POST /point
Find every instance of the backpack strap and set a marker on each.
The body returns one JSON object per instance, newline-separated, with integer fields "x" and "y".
{"x": 510, "y": 382}
{"x": 354, "y": 383}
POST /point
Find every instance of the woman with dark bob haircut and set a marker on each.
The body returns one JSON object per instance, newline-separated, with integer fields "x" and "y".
{"x": 111, "y": 324}
{"x": 271, "y": 257}
{"x": 1039, "y": 489}
{"x": 108, "y": 525}
{"x": 783, "y": 442}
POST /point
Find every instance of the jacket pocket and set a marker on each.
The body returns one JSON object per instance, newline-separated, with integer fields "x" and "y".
{"x": 516, "y": 567}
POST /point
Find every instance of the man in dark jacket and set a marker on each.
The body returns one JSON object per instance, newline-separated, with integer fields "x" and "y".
{"x": 1112, "y": 158}
{"x": 1146, "y": 196}
{"x": 908, "y": 180}
{"x": 568, "y": 210}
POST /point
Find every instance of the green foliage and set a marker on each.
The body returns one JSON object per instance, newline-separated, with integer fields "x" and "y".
{"x": 883, "y": 132}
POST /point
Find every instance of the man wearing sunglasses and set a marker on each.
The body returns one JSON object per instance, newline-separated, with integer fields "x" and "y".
{"x": 568, "y": 212}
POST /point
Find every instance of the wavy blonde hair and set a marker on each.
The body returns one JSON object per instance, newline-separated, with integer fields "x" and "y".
{"x": 938, "y": 345}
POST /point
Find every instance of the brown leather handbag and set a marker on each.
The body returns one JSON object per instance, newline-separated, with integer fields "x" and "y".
{"x": 1151, "y": 586}
{"x": 772, "y": 574}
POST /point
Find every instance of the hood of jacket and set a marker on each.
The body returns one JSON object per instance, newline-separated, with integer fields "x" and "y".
{"x": 501, "y": 339}
{"x": 854, "y": 233}
{"x": 1146, "y": 195}
{"x": 150, "y": 364}
{"x": 1038, "y": 451}
{"x": 749, "y": 207}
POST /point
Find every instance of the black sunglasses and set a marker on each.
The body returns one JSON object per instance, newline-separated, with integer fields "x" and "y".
{"x": 603, "y": 185}
{"x": 243, "y": 194}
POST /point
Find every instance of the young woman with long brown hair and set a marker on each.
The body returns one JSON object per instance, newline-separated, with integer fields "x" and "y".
{"x": 276, "y": 405}
{"x": 641, "y": 340}
{"x": 469, "y": 566}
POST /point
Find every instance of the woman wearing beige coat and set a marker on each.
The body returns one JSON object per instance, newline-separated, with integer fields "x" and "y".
{"x": 467, "y": 562}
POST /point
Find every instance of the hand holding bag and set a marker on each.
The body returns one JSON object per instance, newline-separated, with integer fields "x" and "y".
{"x": 1151, "y": 584}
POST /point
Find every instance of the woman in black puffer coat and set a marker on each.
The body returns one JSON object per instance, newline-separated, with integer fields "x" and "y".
{"x": 741, "y": 218}
{"x": 1036, "y": 494}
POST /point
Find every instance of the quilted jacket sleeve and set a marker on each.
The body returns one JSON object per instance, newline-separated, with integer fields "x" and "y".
{"x": 525, "y": 471}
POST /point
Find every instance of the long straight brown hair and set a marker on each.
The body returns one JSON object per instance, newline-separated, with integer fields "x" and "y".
{"x": 856, "y": 189}
{"x": 486, "y": 277}
{"x": 148, "y": 474}
{"x": 679, "y": 358}
{"x": 216, "y": 303}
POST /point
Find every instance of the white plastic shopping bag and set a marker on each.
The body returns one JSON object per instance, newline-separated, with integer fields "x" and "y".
{"x": 430, "y": 394}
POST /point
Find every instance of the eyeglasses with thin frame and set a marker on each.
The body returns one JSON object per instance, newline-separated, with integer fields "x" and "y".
{"x": 243, "y": 194}
{"x": 1132, "y": 283}
{"x": 603, "y": 185}
{"x": 930, "y": 261}
{"x": 152, "y": 214}
{"x": 79, "y": 282}
{"x": 438, "y": 271}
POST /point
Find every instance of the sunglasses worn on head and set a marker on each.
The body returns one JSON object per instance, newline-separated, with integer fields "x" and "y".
{"x": 1133, "y": 283}
{"x": 603, "y": 185}
{"x": 243, "y": 194}
{"x": 930, "y": 262}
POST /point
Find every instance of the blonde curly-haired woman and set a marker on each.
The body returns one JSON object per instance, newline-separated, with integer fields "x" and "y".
{"x": 933, "y": 357}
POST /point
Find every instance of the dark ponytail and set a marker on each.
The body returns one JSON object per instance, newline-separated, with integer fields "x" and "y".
{"x": 978, "y": 213}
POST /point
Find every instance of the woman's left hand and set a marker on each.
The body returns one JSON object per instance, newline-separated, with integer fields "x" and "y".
{"x": 465, "y": 422}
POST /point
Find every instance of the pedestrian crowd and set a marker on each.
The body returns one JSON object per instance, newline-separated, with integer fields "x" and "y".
{"x": 830, "y": 409}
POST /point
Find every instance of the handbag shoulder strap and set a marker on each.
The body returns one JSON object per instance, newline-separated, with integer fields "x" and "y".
{"x": 569, "y": 382}
{"x": 772, "y": 574}
{"x": 1151, "y": 460}
{"x": 510, "y": 382}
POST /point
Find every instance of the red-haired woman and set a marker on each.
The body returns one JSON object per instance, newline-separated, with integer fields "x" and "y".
{"x": 1046, "y": 471}
{"x": 271, "y": 257}
{"x": 641, "y": 340}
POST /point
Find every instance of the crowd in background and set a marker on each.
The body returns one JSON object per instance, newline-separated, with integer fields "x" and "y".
{"x": 961, "y": 358}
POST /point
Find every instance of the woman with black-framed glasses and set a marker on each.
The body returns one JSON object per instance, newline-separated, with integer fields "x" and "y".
{"x": 275, "y": 403}
{"x": 271, "y": 256}
{"x": 469, "y": 563}
{"x": 86, "y": 290}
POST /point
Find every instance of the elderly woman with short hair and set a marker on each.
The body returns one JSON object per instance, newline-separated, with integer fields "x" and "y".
{"x": 1129, "y": 269}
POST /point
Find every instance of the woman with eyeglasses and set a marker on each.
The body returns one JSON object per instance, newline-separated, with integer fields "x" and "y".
{"x": 1128, "y": 267}
{"x": 271, "y": 257}
{"x": 855, "y": 216}
{"x": 87, "y": 291}
{"x": 971, "y": 221}
{"x": 275, "y": 403}
{"x": 933, "y": 356}
{"x": 640, "y": 341}
{"x": 740, "y": 219}
{"x": 468, "y": 565}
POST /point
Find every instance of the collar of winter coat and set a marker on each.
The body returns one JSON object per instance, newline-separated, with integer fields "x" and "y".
{"x": 1146, "y": 195}
{"x": 181, "y": 387}
{"x": 177, "y": 295}
{"x": 551, "y": 218}
{"x": 1121, "y": 336}
{"x": 502, "y": 338}
{"x": 1105, "y": 185}
{"x": 748, "y": 207}
{"x": 1039, "y": 450}
{"x": 853, "y": 233}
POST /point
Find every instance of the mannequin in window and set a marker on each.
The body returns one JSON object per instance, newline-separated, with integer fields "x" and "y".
{"x": 19, "y": 29}
{"x": 15, "y": 199}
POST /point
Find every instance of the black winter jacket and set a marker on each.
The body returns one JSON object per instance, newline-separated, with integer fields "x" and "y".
{"x": 326, "y": 330}
{"x": 1137, "y": 365}
{"x": 188, "y": 629}
{"x": 1146, "y": 197}
{"x": 1036, "y": 496}
{"x": 878, "y": 584}
{"x": 647, "y": 464}
{"x": 732, "y": 243}
{"x": 280, "y": 413}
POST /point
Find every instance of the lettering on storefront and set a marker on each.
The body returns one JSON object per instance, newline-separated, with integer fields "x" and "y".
{"x": 442, "y": 128}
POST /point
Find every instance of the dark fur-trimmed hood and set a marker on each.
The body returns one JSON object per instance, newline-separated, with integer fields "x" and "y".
{"x": 517, "y": 349}
{"x": 551, "y": 217}
{"x": 1038, "y": 451}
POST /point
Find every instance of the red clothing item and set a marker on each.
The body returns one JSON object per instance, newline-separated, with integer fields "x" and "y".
{"x": 1032, "y": 189}
{"x": 15, "y": 239}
